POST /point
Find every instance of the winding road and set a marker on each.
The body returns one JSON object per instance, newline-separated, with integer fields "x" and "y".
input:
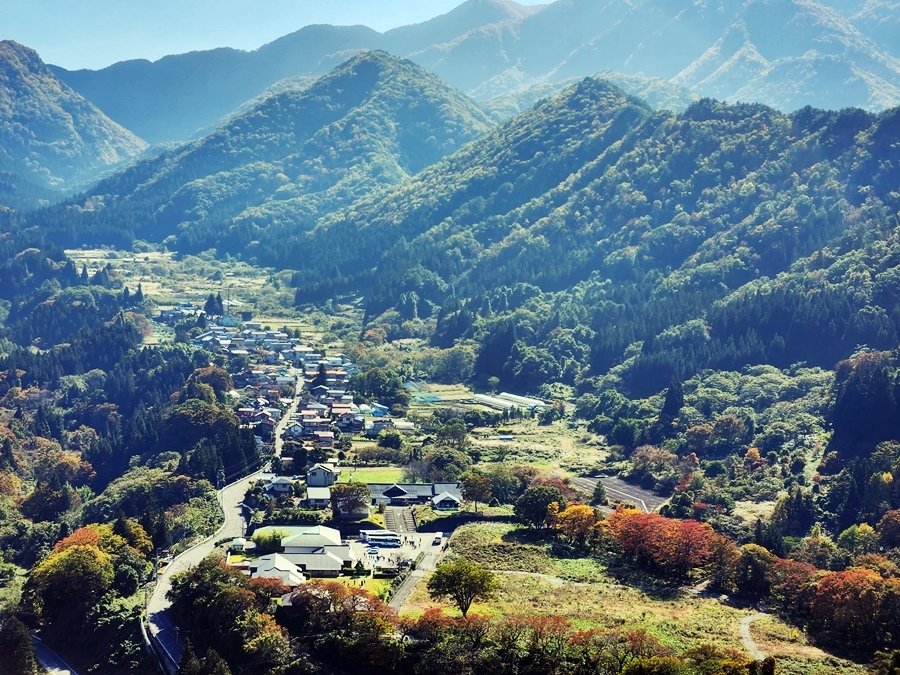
{"x": 747, "y": 639}
{"x": 160, "y": 625}
{"x": 50, "y": 661}
{"x": 617, "y": 488}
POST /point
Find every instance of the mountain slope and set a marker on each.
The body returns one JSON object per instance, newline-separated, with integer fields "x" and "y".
{"x": 789, "y": 52}
{"x": 373, "y": 121}
{"x": 659, "y": 244}
{"x": 785, "y": 53}
{"x": 51, "y": 139}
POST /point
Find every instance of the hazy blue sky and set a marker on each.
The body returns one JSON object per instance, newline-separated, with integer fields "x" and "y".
{"x": 96, "y": 33}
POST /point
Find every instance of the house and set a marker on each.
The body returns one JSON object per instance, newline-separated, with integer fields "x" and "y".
{"x": 324, "y": 439}
{"x": 403, "y": 494}
{"x": 319, "y": 391}
{"x": 293, "y": 430}
{"x": 318, "y": 497}
{"x": 264, "y": 428}
{"x": 322, "y": 475}
{"x": 307, "y": 539}
{"x": 445, "y": 502}
{"x": 276, "y": 566}
{"x": 377, "y": 426}
{"x": 237, "y": 545}
{"x": 280, "y": 487}
{"x": 318, "y": 551}
{"x": 351, "y": 423}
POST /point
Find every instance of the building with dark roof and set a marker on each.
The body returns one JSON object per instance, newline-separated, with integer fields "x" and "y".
{"x": 403, "y": 494}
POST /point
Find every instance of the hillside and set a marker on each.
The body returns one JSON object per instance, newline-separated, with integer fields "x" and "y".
{"x": 657, "y": 244}
{"x": 51, "y": 139}
{"x": 295, "y": 155}
{"x": 785, "y": 53}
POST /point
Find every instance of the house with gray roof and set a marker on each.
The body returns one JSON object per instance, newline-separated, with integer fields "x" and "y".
{"x": 404, "y": 494}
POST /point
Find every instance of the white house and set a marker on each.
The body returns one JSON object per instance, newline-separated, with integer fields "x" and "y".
{"x": 276, "y": 566}
{"x": 322, "y": 475}
{"x": 318, "y": 497}
{"x": 318, "y": 551}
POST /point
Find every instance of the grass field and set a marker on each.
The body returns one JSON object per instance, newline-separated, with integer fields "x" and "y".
{"x": 376, "y": 587}
{"x": 532, "y": 580}
{"x": 554, "y": 446}
{"x": 372, "y": 474}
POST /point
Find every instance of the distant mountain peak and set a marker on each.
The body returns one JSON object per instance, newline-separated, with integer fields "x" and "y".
{"x": 52, "y": 139}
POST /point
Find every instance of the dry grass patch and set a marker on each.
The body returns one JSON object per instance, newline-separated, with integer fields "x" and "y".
{"x": 534, "y": 581}
{"x": 750, "y": 512}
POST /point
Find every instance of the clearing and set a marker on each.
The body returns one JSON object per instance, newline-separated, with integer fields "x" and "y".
{"x": 533, "y": 580}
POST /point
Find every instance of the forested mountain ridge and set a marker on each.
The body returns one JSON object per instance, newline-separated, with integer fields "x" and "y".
{"x": 655, "y": 244}
{"x": 51, "y": 139}
{"x": 785, "y": 53}
{"x": 373, "y": 121}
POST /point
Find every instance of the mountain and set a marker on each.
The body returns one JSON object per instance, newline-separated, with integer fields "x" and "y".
{"x": 175, "y": 97}
{"x": 785, "y": 53}
{"x": 808, "y": 53}
{"x": 650, "y": 245}
{"x": 51, "y": 138}
{"x": 373, "y": 121}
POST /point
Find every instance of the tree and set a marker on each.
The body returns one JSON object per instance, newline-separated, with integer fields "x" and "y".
{"x": 599, "y": 495}
{"x": 532, "y": 506}
{"x": 463, "y": 582}
{"x": 16, "y": 650}
{"x": 576, "y": 523}
{"x": 858, "y": 539}
{"x": 189, "y": 664}
{"x": 72, "y": 580}
{"x": 476, "y": 487}
{"x": 347, "y": 498}
{"x": 390, "y": 438}
{"x": 888, "y": 529}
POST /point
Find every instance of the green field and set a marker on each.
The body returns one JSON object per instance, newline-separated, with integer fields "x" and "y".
{"x": 372, "y": 474}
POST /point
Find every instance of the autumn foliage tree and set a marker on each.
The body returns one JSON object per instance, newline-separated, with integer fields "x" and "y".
{"x": 669, "y": 547}
{"x": 579, "y": 525}
{"x": 70, "y": 581}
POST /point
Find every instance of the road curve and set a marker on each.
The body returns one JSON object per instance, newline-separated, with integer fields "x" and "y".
{"x": 747, "y": 639}
{"x": 616, "y": 488}
{"x": 159, "y": 621}
{"x": 51, "y": 661}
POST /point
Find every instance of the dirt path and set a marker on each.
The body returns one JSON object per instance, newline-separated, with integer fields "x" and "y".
{"x": 747, "y": 640}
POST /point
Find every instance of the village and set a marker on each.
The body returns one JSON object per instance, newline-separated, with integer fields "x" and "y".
{"x": 304, "y": 516}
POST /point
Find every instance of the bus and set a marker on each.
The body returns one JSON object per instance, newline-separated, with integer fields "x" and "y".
{"x": 382, "y": 538}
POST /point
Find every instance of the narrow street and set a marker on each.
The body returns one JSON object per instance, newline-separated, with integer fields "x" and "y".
{"x": 159, "y": 620}
{"x": 433, "y": 556}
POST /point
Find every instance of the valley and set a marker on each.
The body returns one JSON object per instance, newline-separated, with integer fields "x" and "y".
{"x": 528, "y": 339}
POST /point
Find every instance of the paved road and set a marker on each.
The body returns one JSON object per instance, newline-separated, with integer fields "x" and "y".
{"x": 616, "y": 488}
{"x": 50, "y": 660}
{"x": 433, "y": 555}
{"x": 747, "y": 640}
{"x": 159, "y": 618}
{"x": 286, "y": 416}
